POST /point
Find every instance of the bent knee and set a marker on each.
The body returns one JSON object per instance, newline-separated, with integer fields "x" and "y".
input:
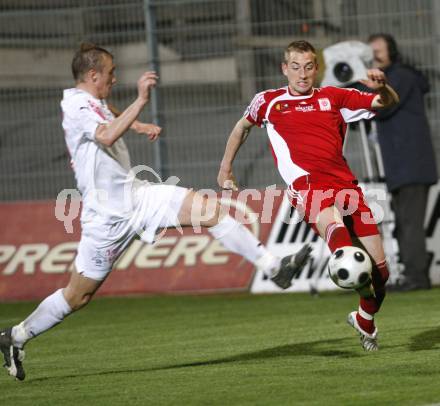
{"x": 207, "y": 210}
{"x": 212, "y": 212}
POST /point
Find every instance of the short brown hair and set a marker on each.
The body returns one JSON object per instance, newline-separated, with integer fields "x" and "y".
{"x": 88, "y": 56}
{"x": 300, "y": 46}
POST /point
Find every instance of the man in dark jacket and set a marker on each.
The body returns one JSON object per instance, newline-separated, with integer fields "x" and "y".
{"x": 409, "y": 158}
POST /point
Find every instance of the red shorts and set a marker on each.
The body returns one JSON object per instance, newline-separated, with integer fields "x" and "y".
{"x": 310, "y": 196}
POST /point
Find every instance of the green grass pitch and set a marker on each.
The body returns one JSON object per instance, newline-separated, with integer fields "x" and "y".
{"x": 291, "y": 349}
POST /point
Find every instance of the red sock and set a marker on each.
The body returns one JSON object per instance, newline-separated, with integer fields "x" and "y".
{"x": 368, "y": 307}
{"x": 337, "y": 236}
{"x": 365, "y": 315}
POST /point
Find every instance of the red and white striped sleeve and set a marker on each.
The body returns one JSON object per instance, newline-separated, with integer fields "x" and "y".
{"x": 254, "y": 113}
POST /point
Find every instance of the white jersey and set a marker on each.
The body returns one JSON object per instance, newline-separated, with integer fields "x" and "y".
{"x": 101, "y": 172}
{"x": 116, "y": 206}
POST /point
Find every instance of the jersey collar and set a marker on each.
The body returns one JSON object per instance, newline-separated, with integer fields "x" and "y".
{"x": 308, "y": 96}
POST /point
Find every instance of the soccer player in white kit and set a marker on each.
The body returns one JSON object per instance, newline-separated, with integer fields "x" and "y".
{"x": 116, "y": 207}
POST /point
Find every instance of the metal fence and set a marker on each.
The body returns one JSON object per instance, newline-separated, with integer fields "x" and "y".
{"x": 212, "y": 55}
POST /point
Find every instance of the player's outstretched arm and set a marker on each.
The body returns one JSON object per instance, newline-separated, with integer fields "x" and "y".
{"x": 387, "y": 97}
{"x": 152, "y": 130}
{"x": 225, "y": 178}
{"x": 108, "y": 134}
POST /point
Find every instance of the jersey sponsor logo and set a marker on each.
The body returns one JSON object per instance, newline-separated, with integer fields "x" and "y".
{"x": 324, "y": 104}
{"x": 305, "y": 109}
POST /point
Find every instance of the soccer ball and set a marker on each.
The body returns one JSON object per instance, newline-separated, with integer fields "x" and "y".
{"x": 350, "y": 267}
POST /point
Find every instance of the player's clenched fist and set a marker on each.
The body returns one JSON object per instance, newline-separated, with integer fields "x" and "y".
{"x": 153, "y": 131}
{"x": 376, "y": 79}
{"x": 226, "y": 180}
{"x": 145, "y": 83}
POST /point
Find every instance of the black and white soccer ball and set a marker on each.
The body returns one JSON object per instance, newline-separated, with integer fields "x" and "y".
{"x": 350, "y": 267}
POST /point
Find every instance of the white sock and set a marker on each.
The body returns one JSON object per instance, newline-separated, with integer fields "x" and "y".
{"x": 49, "y": 313}
{"x": 237, "y": 238}
{"x": 269, "y": 264}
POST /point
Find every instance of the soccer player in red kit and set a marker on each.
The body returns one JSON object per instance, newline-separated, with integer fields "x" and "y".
{"x": 306, "y": 127}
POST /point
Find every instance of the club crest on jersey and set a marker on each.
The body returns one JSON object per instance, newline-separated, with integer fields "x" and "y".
{"x": 324, "y": 104}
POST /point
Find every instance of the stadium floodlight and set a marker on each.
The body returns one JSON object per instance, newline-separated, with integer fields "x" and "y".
{"x": 346, "y": 63}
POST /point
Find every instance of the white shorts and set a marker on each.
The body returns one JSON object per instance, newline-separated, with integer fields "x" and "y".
{"x": 156, "y": 206}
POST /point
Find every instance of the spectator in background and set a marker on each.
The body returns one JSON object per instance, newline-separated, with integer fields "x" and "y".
{"x": 409, "y": 158}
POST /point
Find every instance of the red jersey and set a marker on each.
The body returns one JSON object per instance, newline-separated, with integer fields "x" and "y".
{"x": 307, "y": 132}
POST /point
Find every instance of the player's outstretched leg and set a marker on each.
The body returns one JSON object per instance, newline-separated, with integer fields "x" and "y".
{"x": 336, "y": 236}
{"x": 291, "y": 266}
{"x": 201, "y": 211}
{"x": 49, "y": 313}
{"x": 12, "y": 355}
{"x": 372, "y": 296}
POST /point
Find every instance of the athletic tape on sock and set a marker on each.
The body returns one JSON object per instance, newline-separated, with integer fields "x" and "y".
{"x": 364, "y": 314}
